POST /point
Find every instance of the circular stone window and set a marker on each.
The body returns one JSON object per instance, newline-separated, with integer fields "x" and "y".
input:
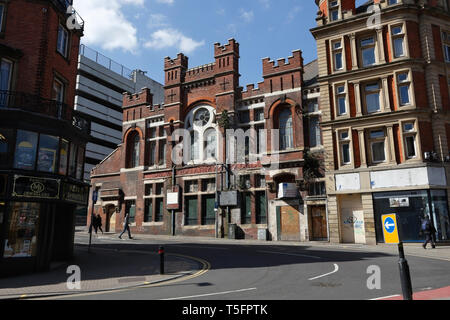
{"x": 202, "y": 117}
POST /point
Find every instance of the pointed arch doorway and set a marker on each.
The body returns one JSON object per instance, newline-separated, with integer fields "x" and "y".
{"x": 110, "y": 222}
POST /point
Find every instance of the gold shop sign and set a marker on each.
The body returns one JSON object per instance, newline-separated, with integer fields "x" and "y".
{"x": 75, "y": 193}
{"x": 33, "y": 187}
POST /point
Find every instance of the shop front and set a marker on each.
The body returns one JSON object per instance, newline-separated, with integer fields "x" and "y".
{"x": 410, "y": 207}
{"x": 37, "y": 222}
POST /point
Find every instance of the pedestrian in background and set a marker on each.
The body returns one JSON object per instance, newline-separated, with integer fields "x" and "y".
{"x": 126, "y": 227}
{"x": 98, "y": 223}
{"x": 429, "y": 231}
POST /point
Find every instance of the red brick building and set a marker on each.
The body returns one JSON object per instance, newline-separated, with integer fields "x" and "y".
{"x": 165, "y": 196}
{"x": 42, "y": 141}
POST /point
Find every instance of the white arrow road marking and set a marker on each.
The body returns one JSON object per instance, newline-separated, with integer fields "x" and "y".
{"x": 290, "y": 254}
{"x": 336, "y": 269}
{"x": 211, "y": 294}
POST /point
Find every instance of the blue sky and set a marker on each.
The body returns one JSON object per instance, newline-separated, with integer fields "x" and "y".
{"x": 140, "y": 33}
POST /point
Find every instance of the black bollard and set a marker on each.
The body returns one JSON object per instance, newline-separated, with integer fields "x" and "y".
{"x": 405, "y": 275}
{"x": 161, "y": 260}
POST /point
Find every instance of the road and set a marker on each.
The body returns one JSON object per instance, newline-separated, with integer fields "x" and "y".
{"x": 277, "y": 272}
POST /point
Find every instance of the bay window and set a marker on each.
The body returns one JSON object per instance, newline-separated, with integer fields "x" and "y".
{"x": 403, "y": 84}
{"x": 409, "y": 136}
{"x": 367, "y": 47}
{"x": 377, "y": 145}
{"x": 341, "y": 100}
{"x": 398, "y": 41}
{"x": 338, "y": 55}
{"x": 344, "y": 147}
{"x": 372, "y": 97}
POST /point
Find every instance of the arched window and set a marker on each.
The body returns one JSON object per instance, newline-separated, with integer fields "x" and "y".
{"x": 135, "y": 154}
{"x": 286, "y": 130}
{"x": 194, "y": 146}
{"x": 210, "y": 144}
{"x": 202, "y": 126}
{"x": 134, "y": 143}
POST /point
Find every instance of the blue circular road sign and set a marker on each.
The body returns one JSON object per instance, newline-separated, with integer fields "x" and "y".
{"x": 389, "y": 225}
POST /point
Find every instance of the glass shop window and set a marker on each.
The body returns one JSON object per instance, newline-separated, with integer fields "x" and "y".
{"x": 48, "y": 150}
{"x": 80, "y": 163}
{"x": 2, "y": 212}
{"x": 26, "y": 147}
{"x": 63, "y": 157}
{"x": 440, "y": 214}
{"x": 73, "y": 160}
{"x": 23, "y": 226}
{"x": 5, "y": 138}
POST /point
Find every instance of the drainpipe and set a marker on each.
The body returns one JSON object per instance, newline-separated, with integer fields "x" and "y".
{"x": 173, "y": 189}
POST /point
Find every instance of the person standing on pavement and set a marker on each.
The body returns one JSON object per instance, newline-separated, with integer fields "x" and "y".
{"x": 126, "y": 227}
{"x": 429, "y": 231}
{"x": 98, "y": 223}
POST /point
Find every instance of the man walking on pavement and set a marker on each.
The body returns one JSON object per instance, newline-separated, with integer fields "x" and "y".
{"x": 126, "y": 227}
{"x": 429, "y": 231}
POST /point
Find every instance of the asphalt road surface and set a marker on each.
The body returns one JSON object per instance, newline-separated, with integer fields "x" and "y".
{"x": 278, "y": 272}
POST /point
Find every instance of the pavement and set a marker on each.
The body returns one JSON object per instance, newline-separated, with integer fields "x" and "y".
{"x": 109, "y": 269}
{"x": 101, "y": 270}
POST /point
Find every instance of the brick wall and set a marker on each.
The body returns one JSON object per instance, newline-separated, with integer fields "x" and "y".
{"x": 32, "y": 27}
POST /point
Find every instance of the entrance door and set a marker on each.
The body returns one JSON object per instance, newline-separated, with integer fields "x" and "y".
{"x": 353, "y": 230}
{"x": 110, "y": 219}
{"x": 289, "y": 224}
{"x": 319, "y": 223}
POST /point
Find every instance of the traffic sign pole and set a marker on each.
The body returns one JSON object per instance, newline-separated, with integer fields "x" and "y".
{"x": 405, "y": 275}
{"x": 391, "y": 236}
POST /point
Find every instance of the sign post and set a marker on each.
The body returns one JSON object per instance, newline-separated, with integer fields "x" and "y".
{"x": 391, "y": 236}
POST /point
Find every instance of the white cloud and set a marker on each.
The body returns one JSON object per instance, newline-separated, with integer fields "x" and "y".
{"x": 221, "y": 12}
{"x": 247, "y": 16}
{"x": 169, "y": 37}
{"x": 157, "y": 20}
{"x": 105, "y": 24}
{"x": 165, "y": 1}
{"x": 293, "y": 13}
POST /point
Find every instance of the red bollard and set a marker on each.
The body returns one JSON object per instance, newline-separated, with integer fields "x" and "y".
{"x": 161, "y": 260}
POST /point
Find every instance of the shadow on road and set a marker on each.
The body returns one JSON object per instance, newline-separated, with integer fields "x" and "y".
{"x": 114, "y": 261}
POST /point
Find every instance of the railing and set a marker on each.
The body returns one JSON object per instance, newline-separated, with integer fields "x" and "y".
{"x": 32, "y": 103}
{"x": 105, "y": 61}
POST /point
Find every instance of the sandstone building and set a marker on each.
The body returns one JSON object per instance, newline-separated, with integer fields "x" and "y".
{"x": 384, "y": 83}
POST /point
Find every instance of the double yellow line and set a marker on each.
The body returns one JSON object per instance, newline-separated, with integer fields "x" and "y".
{"x": 206, "y": 266}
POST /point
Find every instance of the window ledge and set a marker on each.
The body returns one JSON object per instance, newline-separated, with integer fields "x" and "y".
{"x": 152, "y": 224}
{"x": 199, "y": 227}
